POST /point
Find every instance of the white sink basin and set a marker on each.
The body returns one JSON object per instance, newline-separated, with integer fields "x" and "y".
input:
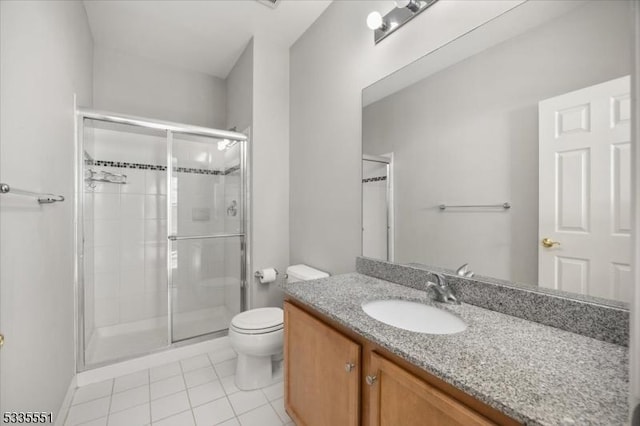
{"x": 414, "y": 316}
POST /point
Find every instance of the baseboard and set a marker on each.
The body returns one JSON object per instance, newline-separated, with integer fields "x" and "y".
{"x": 66, "y": 402}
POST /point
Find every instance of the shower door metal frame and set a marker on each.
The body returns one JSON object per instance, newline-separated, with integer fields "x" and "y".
{"x": 388, "y": 160}
{"x": 170, "y": 128}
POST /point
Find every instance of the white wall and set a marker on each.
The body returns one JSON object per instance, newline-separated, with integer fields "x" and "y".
{"x": 239, "y": 115}
{"x": 240, "y": 91}
{"x": 453, "y": 147}
{"x": 270, "y": 168}
{"x": 258, "y": 97}
{"x": 330, "y": 65}
{"x": 45, "y": 57}
{"x": 137, "y": 86}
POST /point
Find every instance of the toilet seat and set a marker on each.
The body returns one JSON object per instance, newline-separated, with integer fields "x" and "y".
{"x": 258, "y": 321}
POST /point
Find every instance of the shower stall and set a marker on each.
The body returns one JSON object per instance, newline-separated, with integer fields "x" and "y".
{"x": 161, "y": 247}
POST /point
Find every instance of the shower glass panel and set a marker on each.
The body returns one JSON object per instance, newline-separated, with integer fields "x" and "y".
{"x": 205, "y": 227}
{"x": 125, "y": 244}
{"x": 375, "y": 209}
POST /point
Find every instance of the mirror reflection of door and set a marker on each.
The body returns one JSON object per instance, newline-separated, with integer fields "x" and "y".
{"x": 585, "y": 191}
{"x": 377, "y": 207}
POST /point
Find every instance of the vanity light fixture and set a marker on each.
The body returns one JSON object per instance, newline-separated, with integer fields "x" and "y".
{"x": 404, "y": 11}
{"x": 271, "y": 3}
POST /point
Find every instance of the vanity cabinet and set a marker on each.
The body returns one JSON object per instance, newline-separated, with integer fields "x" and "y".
{"x": 322, "y": 372}
{"x": 335, "y": 377}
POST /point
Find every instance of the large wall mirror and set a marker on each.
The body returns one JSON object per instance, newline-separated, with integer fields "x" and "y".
{"x": 509, "y": 149}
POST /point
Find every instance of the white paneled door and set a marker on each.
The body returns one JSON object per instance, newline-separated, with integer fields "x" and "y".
{"x": 585, "y": 191}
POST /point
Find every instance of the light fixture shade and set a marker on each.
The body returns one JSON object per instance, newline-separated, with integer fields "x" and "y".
{"x": 374, "y": 20}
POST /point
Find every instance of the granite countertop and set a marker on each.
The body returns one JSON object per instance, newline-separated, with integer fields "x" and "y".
{"x": 536, "y": 374}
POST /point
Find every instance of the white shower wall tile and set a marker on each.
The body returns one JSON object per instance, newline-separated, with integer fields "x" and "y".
{"x": 155, "y": 206}
{"x": 132, "y": 231}
{"x": 106, "y": 285}
{"x": 155, "y": 275}
{"x": 87, "y": 206}
{"x": 132, "y": 206}
{"x": 156, "y": 182}
{"x": 131, "y": 255}
{"x": 155, "y": 231}
{"x": 106, "y": 232}
{"x": 106, "y": 259}
{"x": 107, "y": 312}
{"x": 88, "y": 232}
{"x": 132, "y": 280}
{"x": 106, "y": 206}
{"x": 135, "y": 181}
{"x": 133, "y": 307}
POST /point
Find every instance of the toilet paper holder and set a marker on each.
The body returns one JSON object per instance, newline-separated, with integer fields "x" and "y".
{"x": 259, "y": 275}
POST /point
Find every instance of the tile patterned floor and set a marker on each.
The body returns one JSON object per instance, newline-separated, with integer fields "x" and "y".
{"x": 193, "y": 392}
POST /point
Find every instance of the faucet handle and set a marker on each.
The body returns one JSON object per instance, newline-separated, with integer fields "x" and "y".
{"x": 443, "y": 293}
{"x": 464, "y": 271}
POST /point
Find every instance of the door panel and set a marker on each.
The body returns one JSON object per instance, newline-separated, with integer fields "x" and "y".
{"x": 206, "y": 230}
{"x": 572, "y": 171}
{"x": 585, "y": 191}
{"x": 320, "y": 389}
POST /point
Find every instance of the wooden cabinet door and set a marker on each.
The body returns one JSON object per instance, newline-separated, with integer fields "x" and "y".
{"x": 322, "y": 372}
{"x": 399, "y": 398}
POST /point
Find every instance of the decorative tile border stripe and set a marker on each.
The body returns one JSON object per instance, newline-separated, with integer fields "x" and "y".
{"x": 232, "y": 169}
{"x": 374, "y": 179}
{"x": 589, "y": 316}
{"x": 198, "y": 171}
{"x": 141, "y": 166}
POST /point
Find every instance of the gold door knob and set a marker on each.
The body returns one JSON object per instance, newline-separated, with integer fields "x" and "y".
{"x": 548, "y": 242}
{"x": 1, "y": 340}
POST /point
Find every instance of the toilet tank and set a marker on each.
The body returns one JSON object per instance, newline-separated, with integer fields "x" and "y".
{"x": 303, "y": 273}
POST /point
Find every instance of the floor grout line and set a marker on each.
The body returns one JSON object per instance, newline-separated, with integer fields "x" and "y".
{"x": 113, "y": 385}
{"x": 150, "y": 414}
{"x": 216, "y": 378}
{"x": 186, "y": 389}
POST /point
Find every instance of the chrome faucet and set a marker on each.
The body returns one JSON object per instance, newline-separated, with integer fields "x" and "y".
{"x": 444, "y": 293}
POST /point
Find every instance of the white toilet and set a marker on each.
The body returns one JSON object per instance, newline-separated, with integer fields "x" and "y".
{"x": 257, "y": 336}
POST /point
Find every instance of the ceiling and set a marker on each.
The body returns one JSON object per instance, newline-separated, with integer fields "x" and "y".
{"x": 205, "y": 36}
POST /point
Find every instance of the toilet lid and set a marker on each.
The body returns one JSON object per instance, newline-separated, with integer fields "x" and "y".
{"x": 259, "y": 319}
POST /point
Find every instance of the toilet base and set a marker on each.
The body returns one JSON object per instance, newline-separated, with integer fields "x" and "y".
{"x": 254, "y": 372}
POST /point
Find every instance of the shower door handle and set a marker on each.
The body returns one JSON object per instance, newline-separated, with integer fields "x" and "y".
{"x": 201, "y": 237}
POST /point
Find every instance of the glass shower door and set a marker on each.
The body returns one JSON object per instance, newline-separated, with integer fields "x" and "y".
{"x": 206, "y": 233}
{"x": 123, "y": 280}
